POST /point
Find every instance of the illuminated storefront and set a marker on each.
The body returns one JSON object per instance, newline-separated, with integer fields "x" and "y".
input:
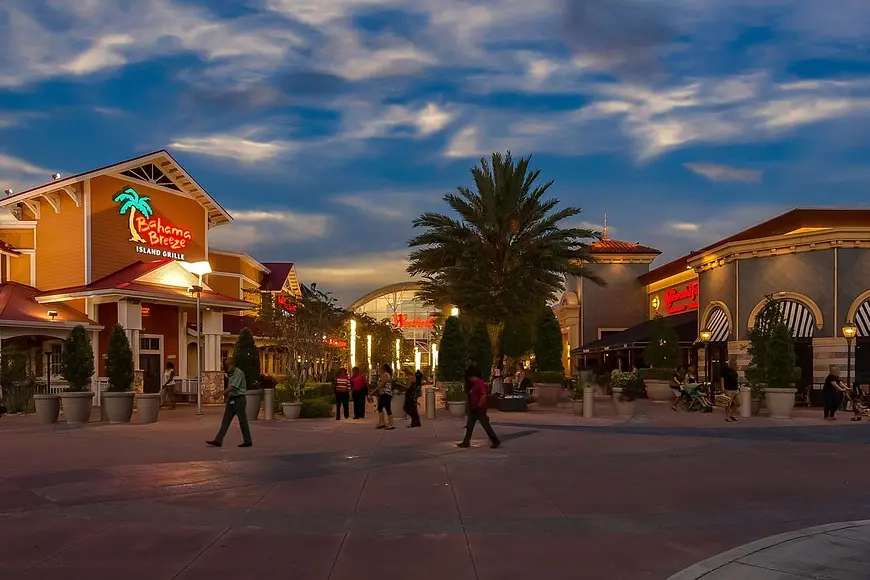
{"x": 400, "y": 305}
{"x": 109, "y": 247}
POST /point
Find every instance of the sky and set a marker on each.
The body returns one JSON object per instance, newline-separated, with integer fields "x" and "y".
{"x": 326, "y": 126}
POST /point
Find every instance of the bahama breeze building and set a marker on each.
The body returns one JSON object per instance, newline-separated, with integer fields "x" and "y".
{"x": 109, "y": 246}
{"x": 814, "y": 262}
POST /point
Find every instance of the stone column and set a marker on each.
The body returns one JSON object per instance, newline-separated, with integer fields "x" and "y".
{"x": 212, "y": 373}
{"x": 830, "y": 351}
{"x": 212, "y": 386}
{"x": 130, "y": 317}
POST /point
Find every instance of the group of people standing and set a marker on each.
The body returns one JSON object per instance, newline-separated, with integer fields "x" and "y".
{"x": 357, "y": 388}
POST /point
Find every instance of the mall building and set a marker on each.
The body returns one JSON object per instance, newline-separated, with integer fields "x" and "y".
{"x": 115, "y": 245}
{"x": 815, "y": 263}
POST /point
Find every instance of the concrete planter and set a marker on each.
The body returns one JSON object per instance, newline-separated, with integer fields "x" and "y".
{"x": 76, "y": 406}
{"x": 548, "y": 394}
{"x": 780, "y": 402}
{"x": 623, "y": 408}
{"x": 118, "y": 406}
{"x": 291, "y": 410}
{"x": 397, "y": 406}
{"x": 253, "y": 402}
{"x": 659, "y": 391}
{"x": 457, "y": 408}
{"x": 577, "y": 406}
{"x": 47, "y": 408}
{"x": 148, "y": 407}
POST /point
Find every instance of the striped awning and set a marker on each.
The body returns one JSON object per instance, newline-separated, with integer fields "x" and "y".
{"x": 717, "y": 324}
{"x": 798, "y": 317}
{"x": 862, "y": 318}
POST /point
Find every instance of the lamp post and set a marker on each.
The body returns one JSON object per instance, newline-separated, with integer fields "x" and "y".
{"x": 352, "y": 342}
{"x": 200, "y": 269}
{"x": 706, "y": 335}
{"x": 850, "y": 331}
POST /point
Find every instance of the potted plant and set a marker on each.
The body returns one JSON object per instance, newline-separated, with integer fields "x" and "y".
{"x": 549, "y": 375}
{"x": 662, "y": 353}
{"x": 457, "y": 399}
{"x": 247, "y": 358}
{"x": 77, "y": 368}
{"x": 288, "y": 396}
{"x": 118, "y": 398}
{"x": 578, "y": 391}
{"x": 779, "y": 394}
{"x": 625, "y": 388}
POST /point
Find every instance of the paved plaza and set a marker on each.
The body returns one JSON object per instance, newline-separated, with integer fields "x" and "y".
{"x": 565, "y": 497}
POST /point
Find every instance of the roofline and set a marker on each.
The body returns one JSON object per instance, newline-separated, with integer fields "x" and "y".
{"x": 63, "y": 324}
{"x": 256, "y": 263}
{"x": 226, "y": 304}
{"x": 61, "y": 183}
{"x": 395, "y": 287}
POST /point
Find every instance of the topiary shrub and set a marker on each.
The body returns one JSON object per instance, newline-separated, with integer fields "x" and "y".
{"x": 548, "y": 344}
{"x": 480, "y": 349}
{"x": 77, "y": 360}
{"x": 247, "y": 358}
{"x": 663, "y": 350}
{"x": 316, "y": 408}
{"x": 119, "y": 361}
{"x": 779, "y": 358}
{"x": 451, "y": 352}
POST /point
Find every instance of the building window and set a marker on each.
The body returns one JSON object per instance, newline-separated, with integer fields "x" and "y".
{"x": 54, "y": 358}
{"x": 148, "y": 343}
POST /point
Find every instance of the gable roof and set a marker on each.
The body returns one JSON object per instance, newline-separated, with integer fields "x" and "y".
{"x": 18, "y": 306}
{"x": 276, "y": 278}
{"x": 161, "y": 159}
{"x": 606, "y": 246}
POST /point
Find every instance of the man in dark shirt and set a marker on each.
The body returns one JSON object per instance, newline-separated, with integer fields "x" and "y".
{"x": 729, "y": 379}
{"x": 411, "y": 396}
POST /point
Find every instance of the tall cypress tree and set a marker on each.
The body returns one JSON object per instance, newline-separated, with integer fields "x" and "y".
{"x": 77, "y": 360}
{"x": 247, "y": 357}
{"x": 548, "y": 343}
{"x": 663, "y": 350}
{"x": 451, "y": 352}
{"x": 119, "y": 361}
{"x": 480, "y": 349}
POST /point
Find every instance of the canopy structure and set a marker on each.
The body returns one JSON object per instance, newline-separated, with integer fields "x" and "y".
{"x": 638, "y": 336}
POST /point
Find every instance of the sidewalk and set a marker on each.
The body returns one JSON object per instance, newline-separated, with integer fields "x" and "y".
{"x": 840, "y": 551}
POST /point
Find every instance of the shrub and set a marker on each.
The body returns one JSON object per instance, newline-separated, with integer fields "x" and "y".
{"x": 456, "y": 392}
{"x": 779, "y": 357}
{"x": 267, "y": 382}
{"x": 759, "y": 338}
{"x": 655, "y": 374}
{"x": 451, "y": 352}
{"x": 632, "y": 387}
{"x": 119, "y": 361}
{"x": 16, "y": 386}
{"x": 548, "y": 343}
{"x": 663, "y": 350}
{"x": 480, "y": 349}
{"x": 577, "y": 390}
{"x": 316, "y": 408}
{"x": 313, "y": 390}
{"x": 247, "y": 358}
{"x": 291, "y": 390}
{"x": 77, "y": 360}
{"x": 548, "y": 377}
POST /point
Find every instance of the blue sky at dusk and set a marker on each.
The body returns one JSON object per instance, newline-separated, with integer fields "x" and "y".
{"x": 325, "y": 126}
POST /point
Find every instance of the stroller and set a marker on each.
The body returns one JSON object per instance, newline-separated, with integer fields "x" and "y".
{"x": 855, "y": 401}
{"x": 692, "y": 398}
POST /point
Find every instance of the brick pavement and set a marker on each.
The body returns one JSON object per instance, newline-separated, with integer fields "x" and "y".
{"x": 564, "y": 497}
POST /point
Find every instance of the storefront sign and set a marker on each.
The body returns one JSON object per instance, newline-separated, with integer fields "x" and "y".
{"x": 153, "y": 235}
{"x": 402, "y": 321}
{"x": 682, "y": 300}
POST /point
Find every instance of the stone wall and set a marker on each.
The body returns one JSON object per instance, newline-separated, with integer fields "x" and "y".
{"x": 212, "y": 386}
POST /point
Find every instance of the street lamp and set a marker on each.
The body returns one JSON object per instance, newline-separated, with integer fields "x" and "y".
{"x": 398, "y": 354}
{"x": 850, "y": 331}
{"x": 706, "y": 335}
{"x": 352, "y": 342}
{"x": 454, "y": 311}
{"x": 200, "y": 269}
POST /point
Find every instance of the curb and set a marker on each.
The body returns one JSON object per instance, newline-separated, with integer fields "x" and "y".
{"x": 701, "y": 569}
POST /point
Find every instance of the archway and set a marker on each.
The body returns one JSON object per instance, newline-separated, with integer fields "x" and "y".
{"x": 801, "y": 318}
{"x": 859, "y": 313}
{"x": 718, "y": 322}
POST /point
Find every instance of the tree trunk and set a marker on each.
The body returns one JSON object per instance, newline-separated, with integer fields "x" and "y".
{"x": 496, "y": 332}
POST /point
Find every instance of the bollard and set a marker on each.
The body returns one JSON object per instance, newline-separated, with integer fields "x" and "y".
{"x": 745, "y": 402}
{"x": 430, "y": 402}
{"x": 268, "y": 404}
{"x": 588, "y": 402}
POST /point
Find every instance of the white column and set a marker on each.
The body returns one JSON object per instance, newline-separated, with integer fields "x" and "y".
{"x": 181, "y": 371}
{"x": 130, "y": 317}
{"x": 212, "y": 329}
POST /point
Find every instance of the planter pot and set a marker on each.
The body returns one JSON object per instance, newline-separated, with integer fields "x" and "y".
{"x": 780, "y": 402}
{"x": 756, "y": 406}
{"x": 76, "y": 406}
{"x": 253, "y": 402}
{"x": 577, "y": 406}
{"x": 118, "y": 406}
{"x": 397, "y": 406}
{"x": 291, "y": 410}
{"x": 148, "y": 407}
{"x": 623, "y": 408}
{"x": 548, "y": 394}
{"x": 457, "y": 408}
{"x": 47, "y": 408}
{"x": 659, "y": 391}
{"x": 512, "y": 404}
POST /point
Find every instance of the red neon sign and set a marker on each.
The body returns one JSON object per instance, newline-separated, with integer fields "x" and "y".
{"x": 402, "y": 321}
{"x": 285, "y": 304}
{"x": 156, "y": 232}
{"x": 682, "y": 300}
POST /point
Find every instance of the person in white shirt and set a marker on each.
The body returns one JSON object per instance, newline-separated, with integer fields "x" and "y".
{"x": 167, "y": 390}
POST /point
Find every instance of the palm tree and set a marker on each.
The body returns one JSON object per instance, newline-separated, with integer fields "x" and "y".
{"x": 133, "y": 203}
{"x": 505, "y": 254}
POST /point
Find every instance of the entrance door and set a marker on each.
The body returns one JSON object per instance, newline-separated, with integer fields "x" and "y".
{"x": 803, "y": 351}
{"x": 151, "y": 362}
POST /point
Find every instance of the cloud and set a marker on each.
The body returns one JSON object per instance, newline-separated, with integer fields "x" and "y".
{"x": 376, "y": 208}
{"x": 245, "y": 150}
{"x": 254, "y": 228}
{"x": 19, "y": 175}
{"x": 683, "y": 226}
{"x": 715, "y": 172}
{"x": 352, "y": 276}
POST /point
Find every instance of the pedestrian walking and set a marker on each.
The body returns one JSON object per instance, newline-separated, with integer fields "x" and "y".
{"x": 359, "y": 386}
{"x": 167, "y": 389}
{"x": 676, "y": 387}
{"x": 384, "y": 393}
{"x": 235, "y": 391}
{"x": 412, "y": 395}
{"x": 341, "y": 386}
{"x": 477, "y": 409}
{"x": 832, "y": 393}
{"x": 729, "y": 381}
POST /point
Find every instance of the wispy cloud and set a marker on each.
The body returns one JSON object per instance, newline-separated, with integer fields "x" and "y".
{"x": 18, "y": 174}
{"x": 379, "y": 208}
{"x": 351, "y": 276}
{"x": 240, "y": 148}
{"x": 257, "y": 228}
{"x": 715, "y": 172}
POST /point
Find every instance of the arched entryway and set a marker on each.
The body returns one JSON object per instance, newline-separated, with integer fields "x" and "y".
{"x": 717, "y": 322}
{"x": 801, "y": 319}
{"x": 861, "y": 318}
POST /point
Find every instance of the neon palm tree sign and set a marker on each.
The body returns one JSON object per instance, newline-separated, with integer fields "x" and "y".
{"x": 147, "y": 230}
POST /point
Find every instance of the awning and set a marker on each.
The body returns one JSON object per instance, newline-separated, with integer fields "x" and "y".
{"x": 686, "y": 325}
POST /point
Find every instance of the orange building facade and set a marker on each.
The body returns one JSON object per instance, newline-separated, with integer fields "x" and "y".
{"x": 109, "y": 247}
